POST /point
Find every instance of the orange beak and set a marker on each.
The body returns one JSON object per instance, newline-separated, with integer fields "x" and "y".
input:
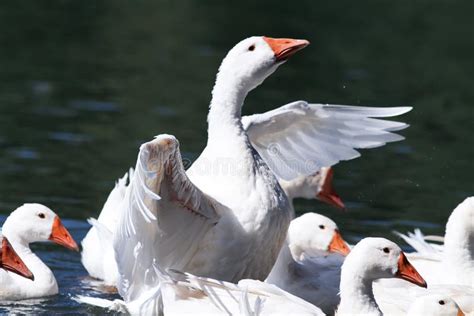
{"x": 61, "y": 236}
{"x": 9, "y": 260}
{"x": 284, "y": 48}
{"x": 327, "y": 193}
{"x": 408, "y": 272}
{"x": 338, "y": 244}
{"x": 460, "y": 313}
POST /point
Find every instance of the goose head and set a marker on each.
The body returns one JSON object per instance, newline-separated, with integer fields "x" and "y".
{"x": 326, "y": 192}
{"x": 435, "y": 305}
{"x": 376, "y": 258}
{"x": 252, "y": 60}
{"x": 315, "y": 232}
{"x": 9, "y": 260}
{"x": 35, "y": 222}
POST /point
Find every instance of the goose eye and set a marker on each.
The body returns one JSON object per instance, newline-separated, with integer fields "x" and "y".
{"x": 41, "y": 215}
{"x": 386, "y": 250}
{"x": 251, "y": 47}
{"x": 441, "y": 302}
{"x": 321, "y": 226}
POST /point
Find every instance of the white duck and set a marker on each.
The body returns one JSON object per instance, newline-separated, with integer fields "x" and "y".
{"x": 227, "y": 216}
{"x": 372, "y": 259}
{"x": 309, "y": 263}
{"x": 454, "y": 262}
{"x": 27, "y": 224}
{"x": 435, "y": 305}
{"x": 98, "y": 255}
{"x": 182, "y": 294}
{"x": 10, "y": 261}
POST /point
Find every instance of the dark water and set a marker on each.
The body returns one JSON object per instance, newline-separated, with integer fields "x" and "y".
{"x": 84, "y": 83}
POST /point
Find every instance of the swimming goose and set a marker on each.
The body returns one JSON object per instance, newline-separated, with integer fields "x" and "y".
{"x": 454, "y": 262}
{"x": 10, "y": 261}
{"x": 98, "y": 256}
{"x": 435, "y": 305}
{"x": 227, "y": 216}
{"x": 449, "y": 270}
{"x": 309, "y": 263}
{"x": 372, "y": 259}
{"x": 27, "y": 224}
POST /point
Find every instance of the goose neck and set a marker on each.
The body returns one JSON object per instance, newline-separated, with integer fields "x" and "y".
{"x": 43, "y": 275}
{"x": 458, "y": 249}
{"x": 280, "y": 267}
{"x": 225, "y": 116}
{"x": 356, "y": 294}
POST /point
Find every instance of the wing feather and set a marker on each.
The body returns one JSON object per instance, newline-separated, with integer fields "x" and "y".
{"x": 164, "y": 216}
{"x": 299, "y": 138}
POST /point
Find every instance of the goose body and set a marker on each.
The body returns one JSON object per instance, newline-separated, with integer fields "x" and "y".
{"x": 98, "y": 255}
{"x": 453, "y": 263}
{"x": 27, "y": 224}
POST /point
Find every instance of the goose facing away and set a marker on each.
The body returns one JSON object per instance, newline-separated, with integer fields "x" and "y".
{"x": 448, "y": 269}
{"x": 454, "y": 262}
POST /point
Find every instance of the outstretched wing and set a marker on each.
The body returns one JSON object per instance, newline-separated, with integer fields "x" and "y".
{"x": 299, "y": 138}
{"x": 164, "y": 217}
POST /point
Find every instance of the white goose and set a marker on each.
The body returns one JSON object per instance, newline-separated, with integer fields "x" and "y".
{"x": 449, "y": 271}
{"x": 182, "y": 294}
{"x": 454, "y": 262}
{"x": 227, "y": 216}
{"x": 10, "y": 261}
{"x": 309, "y": 263}
{"x": 98, "y": 255}
{"x": 372, "y": 259}
{"x": 27, "y": 224}
{"x": 435, "y": 305}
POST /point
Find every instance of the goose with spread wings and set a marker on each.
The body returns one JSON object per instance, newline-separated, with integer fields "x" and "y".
{"x": 226, "y": 217}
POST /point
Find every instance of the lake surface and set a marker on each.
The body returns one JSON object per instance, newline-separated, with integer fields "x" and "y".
{"x": 83, "y": 84}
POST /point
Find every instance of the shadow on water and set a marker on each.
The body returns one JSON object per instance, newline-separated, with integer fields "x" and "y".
{"x": 84, "y": 83}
